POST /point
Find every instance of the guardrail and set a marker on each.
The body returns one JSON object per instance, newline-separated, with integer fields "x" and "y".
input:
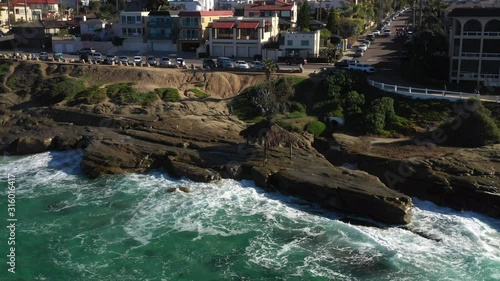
{"x": 428, "y": 93}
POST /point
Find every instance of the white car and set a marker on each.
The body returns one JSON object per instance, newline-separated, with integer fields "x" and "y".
{"x": 164, "y": 61}
{"x": 257, "y": 65}
{"x": 362, "y": 67}
{"x": 97, "y": 57}
{"x": 180, "y": 62}
{"x": 376, "y": 32}
{"x": 363, "y": 47}
{"x": 242, "y": 65}
{"x": 387, "y": 32}
{"x": 124, "y": 59}
{"x": 138, "y": 59}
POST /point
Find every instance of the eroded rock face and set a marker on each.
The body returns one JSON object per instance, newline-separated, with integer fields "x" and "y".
{"x": 29, "y": 145}
{"x": 464, "y": 179}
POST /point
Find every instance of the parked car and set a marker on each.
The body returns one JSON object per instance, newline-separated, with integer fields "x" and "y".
{"x": 362, "y": 67}
{"x": 110, "y": 59}
{"x": 180, "y": 62}
{"x": 370, "y": 37}
{"x": 296, "y": 60}
{"x": 358, "y": 53}
{"x": 124, "y": 59}
{"x": 165, "y": 61}
{"x": 43, "y": 56}
{"x": 376, "y": 32}
{"x": 86, "y": 51}
{"x": 363, "y": 47}
{"x": 387, "y": 32}
{"x": 349, "y": 62}
{"x": 138, "y": 60}
{"x": 152, "y": 61}
{"x": 327, "y": 71}
{"x": 257, "y": 65}
{"x": 224, "y": 62}
{"x": 209, "y": 63}
{"x": 342, "y": 64}
{"x": 242, "y": 65}
{"x": 58, "y": 56}
{"x": 84, "y": 56}
{"x": 97, "y": 57}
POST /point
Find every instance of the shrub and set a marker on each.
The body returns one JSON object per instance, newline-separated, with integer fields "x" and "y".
{"x": 58, "y": 89}
{"x": 297, "y": 107}
{"x": 199, "y": 84}
{"x": 472, "y": 128}
{"x": 296, "y": 114}
{"x": 91, "y": 95}
{"x": 316, "y": 128}
{"x": 124, "y": 93}
{"x": 198, "y": 93}
{"x": 287, "y": 126}
{"x": 168, "y": 94}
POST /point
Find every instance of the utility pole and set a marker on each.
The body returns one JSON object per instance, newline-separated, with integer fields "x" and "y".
{"x": 8, "y": 14}
{"x": 421, "y": 15}
{"x": 380, "y": 11}
{"x": 413, "y": 12}
{"x": 25, "y": 11}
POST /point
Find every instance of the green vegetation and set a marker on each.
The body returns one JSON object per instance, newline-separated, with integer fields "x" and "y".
{"x": 55, "y": 90}
{"x": 4, "y": 69}
{"x": 199, "y": 84}
{"x": 471, "y": 127}
{"x": 91, "y": 95}
{"x": 124, "y": 93}
{"x": 317, "y": 128}
{"x": 198, "y": 93}
{"x": 168, "y": 94}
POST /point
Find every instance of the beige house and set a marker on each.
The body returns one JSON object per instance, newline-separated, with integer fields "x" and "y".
{"x": 4, "y": 17}
{"x": 475, "y": 46}
{"x": 242, "y": 37}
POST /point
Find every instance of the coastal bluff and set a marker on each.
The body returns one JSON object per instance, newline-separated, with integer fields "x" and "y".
{"x": 209, "y": 153}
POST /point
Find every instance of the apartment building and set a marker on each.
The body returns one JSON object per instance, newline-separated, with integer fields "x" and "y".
{"x": 301, "y": 44}
{"x": 241, "y": 37}
{"x": 287, "y": 12}
{"x": 193, "y": 5}
{"x": 193, "y": 25}
{"x": 474, "y": 46}
{"x": 161, "y": 27}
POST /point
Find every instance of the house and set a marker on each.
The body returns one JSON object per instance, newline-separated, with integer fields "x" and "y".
{"x": 287, "y": 12}
{"x": 242, "y": 37}
{"x": 4, "y": 18}
{"x": 133, "y": 24}
{"x": 474, "y": 46}
{"x": 233, "y": 5}
{"x": 193, "y": 25}
{"x": 301, "y": 44}
{"x": 20, "y": 13}
{"x": 325, "y": 4}
{"x": 31, "y": 35}
{"x": 40, "y": 9}
{"x": 161, "y": 28}
{"x": 94, "y": 27}
{"x": 193, "y": 5}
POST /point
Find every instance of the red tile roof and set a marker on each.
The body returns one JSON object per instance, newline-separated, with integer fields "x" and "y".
{"x": 248, "y": 25}
{"x": 277, "y": 6}
{"x": 35, "y": 2}
{"x": 223, "y": 24}
{"x": 205, "y": 13}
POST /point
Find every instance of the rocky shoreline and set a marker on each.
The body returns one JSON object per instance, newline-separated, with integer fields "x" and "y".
{"x": 199, "y": 140}
{"x": 199, "y": 148}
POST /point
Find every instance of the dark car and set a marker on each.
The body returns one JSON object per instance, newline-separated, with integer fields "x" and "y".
{"x": 209, "y": 62}
{"x": 296, "y": 60}
{"x": 358, "y": 53}
{"x": 342, "y": 64}
{"x": 327, "y": 71}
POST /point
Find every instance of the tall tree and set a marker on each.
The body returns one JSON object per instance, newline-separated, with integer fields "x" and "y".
{"x": 333, "y": 19}
{"x": 304, "y": 15}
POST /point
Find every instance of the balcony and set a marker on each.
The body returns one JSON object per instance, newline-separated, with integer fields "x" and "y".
{"x": 477, "y": 55}
{"x": 480, "y": 34}
{"x": 189, "y": 38}
{"x": 160, "y": 24}
{"x": 247, "y": 37}
{"x": 159, "y": 37}
{"x": 132, "y": 22}
{"x": 135, "y": 35}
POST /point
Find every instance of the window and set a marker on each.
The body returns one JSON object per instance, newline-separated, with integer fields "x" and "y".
{"x": 285, "y": 14}
{"x": 289, "y": 42}
{"x": 138, "y": 19}
{"x": 124, "y": 31}
{"x": 304, "y": 43}
{"x": 124, "y": 19}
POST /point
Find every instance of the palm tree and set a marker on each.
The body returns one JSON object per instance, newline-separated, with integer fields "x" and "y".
{"x": 269, "y": 67}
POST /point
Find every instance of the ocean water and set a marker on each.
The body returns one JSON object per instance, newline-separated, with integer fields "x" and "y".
{"x": 129, "y": 228}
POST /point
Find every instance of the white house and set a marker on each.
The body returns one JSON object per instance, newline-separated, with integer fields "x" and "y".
{"x": 90, "y": 26}
{"x": 325, "y": 4}
{"x": 303, "y": 44}
{"x": 241, "y": 37}
{"x": 193, "y": 5}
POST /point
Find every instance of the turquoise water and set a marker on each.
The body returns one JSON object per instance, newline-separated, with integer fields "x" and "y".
{"x": 130, "y": 228}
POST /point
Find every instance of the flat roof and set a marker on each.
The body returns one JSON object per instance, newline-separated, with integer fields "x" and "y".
{"x": 475, "y": 12}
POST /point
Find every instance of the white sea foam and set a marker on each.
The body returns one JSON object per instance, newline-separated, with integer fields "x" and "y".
{"x": 284, "y": 234}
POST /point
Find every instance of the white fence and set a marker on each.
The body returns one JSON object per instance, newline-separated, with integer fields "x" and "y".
{"x": 420, "y": 93}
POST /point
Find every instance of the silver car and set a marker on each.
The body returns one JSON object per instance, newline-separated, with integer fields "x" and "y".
{"x": 124, "y": 59}
{"x": 152, "y": 61}
{"x": 165, "y": 61}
